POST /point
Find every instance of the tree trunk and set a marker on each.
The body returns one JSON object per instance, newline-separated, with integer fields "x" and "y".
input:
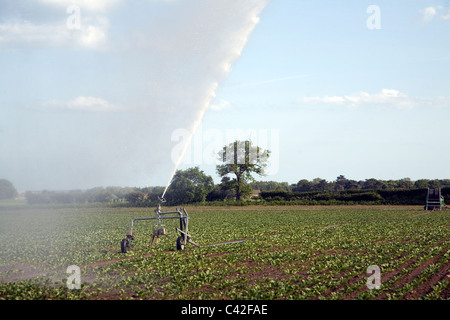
{"x": 238, "y": 187}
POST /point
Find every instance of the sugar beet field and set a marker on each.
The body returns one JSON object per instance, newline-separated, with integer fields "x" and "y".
{"x": 291, "y": 253}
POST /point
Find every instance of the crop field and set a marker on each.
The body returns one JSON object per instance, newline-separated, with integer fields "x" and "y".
{"x": 291, "y": 253}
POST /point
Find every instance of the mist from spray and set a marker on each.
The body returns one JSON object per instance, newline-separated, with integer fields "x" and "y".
{"x": 168, "y": 69}
{"x": 157, "y": 71}
{"x": 230, "y": 23}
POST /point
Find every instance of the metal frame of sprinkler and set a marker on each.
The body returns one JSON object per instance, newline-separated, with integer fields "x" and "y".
{"x": 160, "y": 230}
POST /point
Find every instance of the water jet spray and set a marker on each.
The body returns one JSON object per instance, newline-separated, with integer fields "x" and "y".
{"x": 228, "y": 24}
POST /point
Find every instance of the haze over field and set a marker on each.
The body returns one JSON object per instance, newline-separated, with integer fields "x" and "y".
{"x": 98, "y": 93}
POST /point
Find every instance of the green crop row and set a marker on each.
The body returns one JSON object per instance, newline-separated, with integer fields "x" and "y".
{"x": 287, "y": 253}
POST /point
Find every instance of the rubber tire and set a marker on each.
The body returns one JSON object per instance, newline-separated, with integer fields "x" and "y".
{"x": 124, "y": 245}
{"x": 180, "y": 245}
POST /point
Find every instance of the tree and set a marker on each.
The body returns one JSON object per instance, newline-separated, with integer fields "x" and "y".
{"x": 104, "y": 196}
{"x": 445, "y": 182}
{"x": 242, "y": 159}
{"x": 222, "y": 191}
{"x": 405, "y": 183}
{"x": 135, "y": 197}
{"x": 270, "y": 185}
{"x": 7, "y": 190}
{"x": 189, "y": 186}
{"x": 435, "y": 184}
{"x": 422, "y": 184}
{"x": 303, "y": 186}
{"x": 341, "y": 183}
{"x": 373, "y": 184}
{"x": 319, "y": 184}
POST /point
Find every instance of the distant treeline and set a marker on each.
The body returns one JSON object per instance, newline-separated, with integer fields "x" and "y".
{"x": 346, "y": 191}
{"x": 316, "y": 191}
{"x": 144, "y": 196}
{"x": 390, "y": 197}
{"x": 341, "y": 184}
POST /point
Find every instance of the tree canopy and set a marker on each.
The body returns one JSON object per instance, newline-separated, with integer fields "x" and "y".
{"x": 7, "y": 190}
{"x": 242, "y": 159}
{"x": 189, "y": 186}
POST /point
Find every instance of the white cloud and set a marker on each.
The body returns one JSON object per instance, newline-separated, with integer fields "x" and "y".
{"x": 57, "y": 23}
{"x": 428, "y": 13}
{"x": 446, "y": 16}
{"x": 92, "y": 34}
{"x": 386, "y": 98}
{"x": 14, "y": 34}
{"x": 85, "y": 104}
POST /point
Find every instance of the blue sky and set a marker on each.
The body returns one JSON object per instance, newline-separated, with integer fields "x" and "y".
{"x": 109, "y": 102}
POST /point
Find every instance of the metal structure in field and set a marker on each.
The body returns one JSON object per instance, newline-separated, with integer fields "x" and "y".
{"x": 160, "y": 230}
{"x": 435, "y": 200}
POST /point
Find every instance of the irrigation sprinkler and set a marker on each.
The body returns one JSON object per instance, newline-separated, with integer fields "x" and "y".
{"x": 160, "y": 230}
{"x": 435, "y": 200}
